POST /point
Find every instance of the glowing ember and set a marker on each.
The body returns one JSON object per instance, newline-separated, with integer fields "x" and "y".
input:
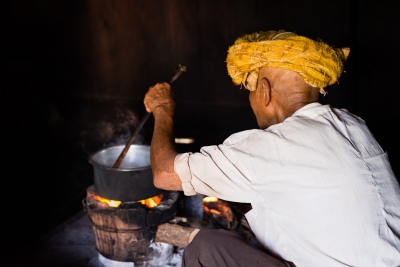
{"x": 216, "y": 212}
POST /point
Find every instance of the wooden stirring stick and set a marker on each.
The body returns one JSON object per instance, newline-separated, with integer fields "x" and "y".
{"x": 180, "y": 71}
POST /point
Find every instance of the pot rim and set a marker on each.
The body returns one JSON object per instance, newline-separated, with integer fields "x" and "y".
{"x": 104, "y": 167}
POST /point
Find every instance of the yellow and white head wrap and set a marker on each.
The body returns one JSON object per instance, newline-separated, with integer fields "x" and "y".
{"x": 318, "y": 63}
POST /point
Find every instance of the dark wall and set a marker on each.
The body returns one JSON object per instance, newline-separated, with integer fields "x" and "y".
{"x": 74, "y": 73}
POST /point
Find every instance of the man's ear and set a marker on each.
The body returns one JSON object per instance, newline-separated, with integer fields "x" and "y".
{"x": 266, "y": 90}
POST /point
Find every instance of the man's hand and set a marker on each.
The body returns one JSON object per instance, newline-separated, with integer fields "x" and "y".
{"x": 160, "y": 98}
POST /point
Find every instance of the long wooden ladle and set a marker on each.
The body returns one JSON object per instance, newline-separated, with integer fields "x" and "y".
{"x": 179, "y": 72}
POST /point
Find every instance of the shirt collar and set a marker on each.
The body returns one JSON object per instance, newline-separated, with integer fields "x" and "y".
{"x": 307, "y": 109}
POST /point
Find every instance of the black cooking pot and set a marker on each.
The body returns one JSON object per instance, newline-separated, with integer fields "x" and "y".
{"x": 132, "y": 181}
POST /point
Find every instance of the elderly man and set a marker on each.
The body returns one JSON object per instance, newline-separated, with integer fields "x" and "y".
{"x": 321, "y": 188}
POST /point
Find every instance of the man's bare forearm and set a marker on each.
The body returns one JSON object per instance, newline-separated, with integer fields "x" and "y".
{"x": 163, "y": 152}
{"x": 159, "y": 100}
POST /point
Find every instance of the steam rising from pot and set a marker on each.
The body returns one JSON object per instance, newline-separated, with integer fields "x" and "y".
{"x": 106, "y": 125}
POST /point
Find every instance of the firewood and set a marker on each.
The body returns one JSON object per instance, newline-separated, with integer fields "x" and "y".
{"x": 175, "y": 234}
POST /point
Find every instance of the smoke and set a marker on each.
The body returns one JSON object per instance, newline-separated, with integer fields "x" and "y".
{"x": 106, "y": 126}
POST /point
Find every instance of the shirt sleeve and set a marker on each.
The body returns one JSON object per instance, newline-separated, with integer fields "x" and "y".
{"x": 181, "y": 167}
{"x": 217, "y": 171}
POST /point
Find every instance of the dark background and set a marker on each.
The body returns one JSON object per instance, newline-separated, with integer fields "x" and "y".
{"x": 73, "y": 74}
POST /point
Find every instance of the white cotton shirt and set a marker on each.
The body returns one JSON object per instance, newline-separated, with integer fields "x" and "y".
{"x": 321, "y": 188}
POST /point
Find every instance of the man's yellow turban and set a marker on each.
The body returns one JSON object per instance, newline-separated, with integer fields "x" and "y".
{"x": 318, "y": 63}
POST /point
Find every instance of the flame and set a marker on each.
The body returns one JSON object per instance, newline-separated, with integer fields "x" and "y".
{"x": 150, "y": 202}
{"x": 217, "y": 209}
{"x": 109, "y": 202}
{"x": 210, "y": 199}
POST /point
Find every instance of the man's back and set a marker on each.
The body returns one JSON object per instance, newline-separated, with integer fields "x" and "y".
{"x": 329, "y": 195}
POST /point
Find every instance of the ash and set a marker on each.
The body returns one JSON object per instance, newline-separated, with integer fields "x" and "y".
{"x": 176, "y": 259}
{"x": 173, "y": 260}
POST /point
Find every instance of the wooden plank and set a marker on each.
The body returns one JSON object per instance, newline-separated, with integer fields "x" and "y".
{"x": 175, "y": 234}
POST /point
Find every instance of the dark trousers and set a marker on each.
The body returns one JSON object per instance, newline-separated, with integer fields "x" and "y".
{"x": 219, "y": 248}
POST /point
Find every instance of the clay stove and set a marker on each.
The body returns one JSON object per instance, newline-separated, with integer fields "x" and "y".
{"x": 126, "y": 233}
{"x": 123, "y": 226}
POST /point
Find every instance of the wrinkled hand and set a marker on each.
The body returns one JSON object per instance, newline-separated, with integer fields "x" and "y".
{"x": 160, "y": 98}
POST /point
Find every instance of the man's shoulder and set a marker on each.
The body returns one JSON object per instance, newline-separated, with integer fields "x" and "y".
{"x": 241, "y": 136}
